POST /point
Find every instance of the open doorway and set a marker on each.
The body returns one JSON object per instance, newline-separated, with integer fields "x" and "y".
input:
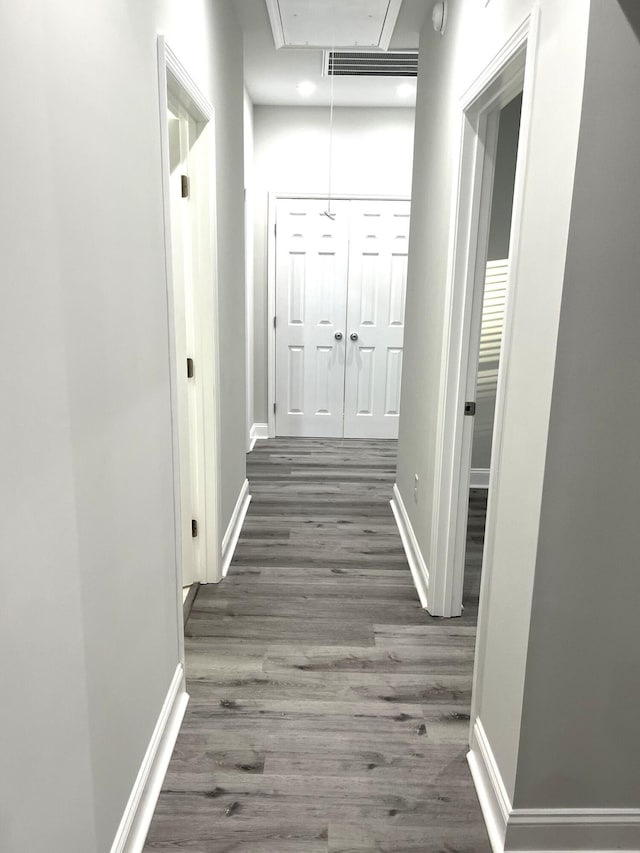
{"x": 188, "y": 142}
{"x": 183, "y": 132}
{"x": 494, "y": 294}
{"x": 503, "y": 84}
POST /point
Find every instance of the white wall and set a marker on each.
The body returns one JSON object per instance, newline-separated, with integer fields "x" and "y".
{"x": 88, "y": 628}
{"x": 449, "y": 65}
{"x": 580, "y": 741}
{"x": 372, "y": 155}
{"x": 45, "y": 763}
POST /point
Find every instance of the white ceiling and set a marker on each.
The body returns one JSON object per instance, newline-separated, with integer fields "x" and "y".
{"x": 272, "y": 75}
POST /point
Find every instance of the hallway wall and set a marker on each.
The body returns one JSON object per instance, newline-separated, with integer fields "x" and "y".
{"x": 88, "y": 620}
{"x": 449, "y": 65}
{"x": 584, "y": 650}
{"x": 372, "y": 155}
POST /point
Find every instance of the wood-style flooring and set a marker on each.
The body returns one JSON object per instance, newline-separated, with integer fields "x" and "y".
{"x": 329, "y": 713}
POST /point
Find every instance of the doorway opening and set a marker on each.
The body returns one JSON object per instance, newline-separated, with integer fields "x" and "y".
{"x": 489, "y": 344}
{"x": 337, "y": 292}
{"x": 183, "y": 133}
{"x": 466, "y": 356}
{"x": 188, "y": 155}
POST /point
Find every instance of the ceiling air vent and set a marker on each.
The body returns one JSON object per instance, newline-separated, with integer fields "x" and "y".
{"x": 340, "y": 63}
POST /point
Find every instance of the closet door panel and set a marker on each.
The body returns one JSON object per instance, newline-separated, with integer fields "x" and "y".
{"x": 311, "y": 305}
{"x": 375, "y": 317}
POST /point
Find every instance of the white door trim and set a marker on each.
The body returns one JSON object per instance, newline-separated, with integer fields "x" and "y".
{"x": 174, "y": 79}
{"x": 274, "y": 197}
{"x": 509, "y": 72}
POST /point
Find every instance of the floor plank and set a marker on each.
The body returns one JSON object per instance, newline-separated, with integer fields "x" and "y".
{"x": 329, "y": 713}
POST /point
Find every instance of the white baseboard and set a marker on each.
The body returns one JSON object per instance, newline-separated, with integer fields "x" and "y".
{"x": 479, "y": 478}
{"x": 574, "y": 831}
{"x": 258, "y": 433}
{"x": 492, "y": 794}
{"x": 232, "y": 535}
{"x": 136, "y": 819}
{"x": 418, "y": 567}
{"x": 544, "y": 830}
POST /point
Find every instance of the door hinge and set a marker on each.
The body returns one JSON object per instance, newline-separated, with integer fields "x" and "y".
{"x": 184, "y": 186}
{"x": 274, "y": 322}
{"x": 274, "y": 408}
{"x": 189, "y": 368}
{"x": 470, "y": 408}
{"x": 194, "y": 528}
{"x": 275, "y": 230}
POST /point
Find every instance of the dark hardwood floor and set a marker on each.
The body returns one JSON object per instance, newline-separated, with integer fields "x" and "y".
{"x": 329, "y": 713}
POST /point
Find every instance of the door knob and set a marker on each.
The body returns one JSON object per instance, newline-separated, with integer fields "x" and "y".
{"x": 354, "y": 336}
{"x": 338, "y": 336}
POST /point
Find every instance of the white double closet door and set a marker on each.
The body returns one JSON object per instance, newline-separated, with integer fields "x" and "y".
{"x": 340, "y": 297}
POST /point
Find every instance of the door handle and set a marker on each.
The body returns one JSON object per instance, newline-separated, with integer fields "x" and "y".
{"x": 338, "y": 336}
{"x": 354, "y": 336}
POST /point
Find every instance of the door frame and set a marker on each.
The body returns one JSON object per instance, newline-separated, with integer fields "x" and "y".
{"x": 274, "y": 197}
{"x": 174, "y": 81}
{"x": 510, "y": 72}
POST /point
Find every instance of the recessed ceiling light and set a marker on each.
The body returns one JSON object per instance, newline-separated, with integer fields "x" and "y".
{"x": 306, "y": 88}
{"x": 406, "y": 90}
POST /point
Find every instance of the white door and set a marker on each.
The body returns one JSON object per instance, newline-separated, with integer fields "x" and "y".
{"x": 311, "y": 299}
{"x": 340, "y": 293}
{"x": 181, "y": 130}
{"x": 378, "y": 251}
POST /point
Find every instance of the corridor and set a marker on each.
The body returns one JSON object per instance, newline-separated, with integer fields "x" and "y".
{"x": 329, "y": 713}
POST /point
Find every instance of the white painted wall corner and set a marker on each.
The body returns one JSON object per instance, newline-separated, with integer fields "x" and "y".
{"x": 136, "y": 819}
{"x": 492, "y": 794}
{"x": 258, "y": 433}
{"x": 479, "y": 478}
{"x": 232, "y": 534}
{"x": 417, "y": 564}
{"x": 543, "y": 830}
